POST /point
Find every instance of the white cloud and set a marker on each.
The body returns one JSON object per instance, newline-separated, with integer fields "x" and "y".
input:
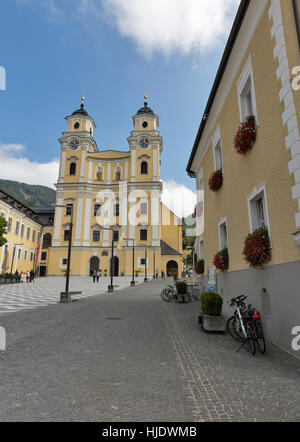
{"x": 18, "y": 168}
{"x": 178, "y": 198}
{"x": 173, "y": 25}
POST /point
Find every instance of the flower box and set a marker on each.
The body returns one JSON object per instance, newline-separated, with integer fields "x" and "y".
{"x": 216, "y": 180}
{"x": 257, "y": 249}
{"x": 245, "y": 136}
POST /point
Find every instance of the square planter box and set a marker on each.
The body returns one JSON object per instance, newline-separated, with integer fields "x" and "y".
{"x": 213, "y": 324}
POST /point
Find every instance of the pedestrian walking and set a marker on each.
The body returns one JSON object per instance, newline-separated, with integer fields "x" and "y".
{"x": 94, "y": 275}
{"x": 27, "y": 276}
{"x": 32, "y": 276}
{"x": 97, "y": 275}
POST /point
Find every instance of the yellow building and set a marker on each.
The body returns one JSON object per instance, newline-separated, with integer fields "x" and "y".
{"x": 261, "y": 188}
{"x": 111, "y": 194}
{"x": 23, "y": 234}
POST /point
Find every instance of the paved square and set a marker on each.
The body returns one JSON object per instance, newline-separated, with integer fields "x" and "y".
{"x": 46, "y": 291}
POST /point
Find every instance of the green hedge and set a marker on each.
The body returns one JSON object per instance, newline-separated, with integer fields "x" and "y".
{"x": 181, "y": 288}
{"x": 211, "y": 303}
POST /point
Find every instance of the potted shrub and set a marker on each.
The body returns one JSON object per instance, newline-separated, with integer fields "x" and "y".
{"x": 245, "y": 136}
{"x": 221, "y": 260}
{"x": 212, "y": 319}
{"x": 257, "y": 248}
{"x": 181, "y": 288}
{"x": 216, "y": 180}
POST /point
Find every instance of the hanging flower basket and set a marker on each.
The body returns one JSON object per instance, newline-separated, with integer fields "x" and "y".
{"x": 221, "y": 260}
{"x": 245, "y": 136}
{"x": 216, "y": 180}
{"x": 257, "y": 249}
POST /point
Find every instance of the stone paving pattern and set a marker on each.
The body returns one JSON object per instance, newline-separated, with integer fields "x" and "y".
{"x": 130, "y": 357}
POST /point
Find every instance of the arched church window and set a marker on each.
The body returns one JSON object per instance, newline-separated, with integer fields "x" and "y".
{"x": 144, "y": 168}
{"x": 99, "y": 174}
{"x": 72, "y": 170}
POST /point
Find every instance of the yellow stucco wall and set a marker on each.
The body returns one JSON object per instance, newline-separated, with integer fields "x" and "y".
{"x": 266, "y": 163}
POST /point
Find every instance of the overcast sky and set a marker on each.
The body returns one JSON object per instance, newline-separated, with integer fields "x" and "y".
{"x": 112, "y": 51}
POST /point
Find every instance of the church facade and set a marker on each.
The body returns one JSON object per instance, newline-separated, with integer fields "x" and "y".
{"x": 111, "y": 197}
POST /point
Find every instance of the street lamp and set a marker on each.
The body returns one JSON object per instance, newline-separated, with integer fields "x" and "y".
{"x": 112, "y": 265}
{"x": 145, "y": 279}
{"x": 133, "y": 281}
{"x": 65, "y": 297}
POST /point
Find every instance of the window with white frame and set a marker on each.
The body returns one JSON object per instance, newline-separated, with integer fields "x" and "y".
{"x": 201, "y": 249}
{"x": 246, "y": 92}
{"x": 28, "y": 233}
{"x": 19, "y": 253}
{"x": 25, "y": 255}
{"x": 17, "y": 228}
{"x": 142, "y": 262}
{"x": 218, "y": 156}
{"x": 96, "y": 236}
{"x": 143, "y": 235}
{"x": 144, "y": 208}
{"x": 9, "y": 225}
{"x": 2, "y": 214}
{"x": 258, "y": 209}
{"x": 223, "y": 235}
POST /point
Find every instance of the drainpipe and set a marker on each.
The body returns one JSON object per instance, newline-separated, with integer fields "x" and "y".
{"x": 297, "y": 20}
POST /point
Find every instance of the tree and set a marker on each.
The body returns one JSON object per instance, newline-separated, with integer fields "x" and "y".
{"x": 3, "y": 231}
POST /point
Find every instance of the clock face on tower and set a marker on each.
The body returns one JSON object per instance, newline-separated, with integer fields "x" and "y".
{"x": 74, "y": 145}
{"x": 144, "y": 143}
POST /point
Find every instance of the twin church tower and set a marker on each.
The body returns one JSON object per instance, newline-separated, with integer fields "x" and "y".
{"x": 111, "y": 193}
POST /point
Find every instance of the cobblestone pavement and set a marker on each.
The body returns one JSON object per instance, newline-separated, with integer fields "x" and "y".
{"x": 46, "y": 291}
{"x": 130, "y": 357}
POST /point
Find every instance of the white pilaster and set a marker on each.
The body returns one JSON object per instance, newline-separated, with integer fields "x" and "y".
{"x": 155, "y": 217}
{"x": 58, "y": 214}
{"x": 123, "y": 195}
{"x": 62, "y": 167}
{"x": 108, "y": 173}
{"x": 87, "y": 224}
{"x": 107, "y": 211}
{"x": 90, "y": 172}
{"x": 131, "y": 214}
{"x": 289, "y": 115}
{"x": 155, "y": 176}
{"x": 81, "y": 178}
{"x": 133, "y": 161}
{"x": 77, "y": 241}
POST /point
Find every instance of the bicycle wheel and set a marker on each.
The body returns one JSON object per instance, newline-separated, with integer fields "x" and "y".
{"x": 259, "y": 337}
{"x": 250, "y": 338}
{"x": 167, "y": 296}
{"x": 234, "y": 329}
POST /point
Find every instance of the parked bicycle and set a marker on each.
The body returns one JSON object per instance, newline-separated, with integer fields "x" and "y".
{"x": 245, "y": 325}
{"x": 169, "y": 294}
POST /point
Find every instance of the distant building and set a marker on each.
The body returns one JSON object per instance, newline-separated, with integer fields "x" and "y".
{"x": 24, "y": 231}
{"x": 261, "y": 188}
{"x": 110, "y": 193}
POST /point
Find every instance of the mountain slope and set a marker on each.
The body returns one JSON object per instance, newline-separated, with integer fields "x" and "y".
{"x": 28, "y": 194}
